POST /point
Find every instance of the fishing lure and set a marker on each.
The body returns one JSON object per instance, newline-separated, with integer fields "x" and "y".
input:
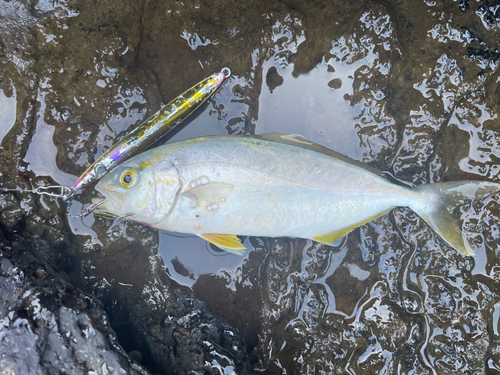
{"x": 153, "y": 128}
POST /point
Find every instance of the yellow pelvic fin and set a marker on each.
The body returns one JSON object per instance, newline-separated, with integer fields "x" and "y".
{"x": 226, "y": 242}
{"x": 332, "y": 237}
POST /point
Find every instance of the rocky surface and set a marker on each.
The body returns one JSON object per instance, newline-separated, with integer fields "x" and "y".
{"x": 47, "y": 326}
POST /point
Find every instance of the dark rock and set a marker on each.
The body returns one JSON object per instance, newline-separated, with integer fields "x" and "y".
{"x": 192, "y": 340}
{"x": 273, "y": 79}
{"x": 49, "y": 326}
{"x": 46, "y": 325}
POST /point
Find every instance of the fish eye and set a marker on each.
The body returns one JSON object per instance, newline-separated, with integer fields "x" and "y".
{"x": 128, "y": 178}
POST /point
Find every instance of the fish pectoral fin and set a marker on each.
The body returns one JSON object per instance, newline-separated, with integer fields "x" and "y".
{"x": 209, "y": 194}
{"x": 226, "y": 242}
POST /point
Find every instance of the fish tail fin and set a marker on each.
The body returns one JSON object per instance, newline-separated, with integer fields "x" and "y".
{"x": 441, "y": 198}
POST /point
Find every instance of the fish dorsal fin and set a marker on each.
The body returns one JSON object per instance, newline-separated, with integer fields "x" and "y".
{"x": 300, "y": 141}
{"x": 226, "y": 242}
{"x": 332, "y": 238}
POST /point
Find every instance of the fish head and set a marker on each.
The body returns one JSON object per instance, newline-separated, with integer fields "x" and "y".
{"x": 141, "y": 190}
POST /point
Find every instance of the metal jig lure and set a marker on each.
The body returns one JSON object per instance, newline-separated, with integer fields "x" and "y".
{"x": 140, "y": 138}
{"x": 153, "y": 128}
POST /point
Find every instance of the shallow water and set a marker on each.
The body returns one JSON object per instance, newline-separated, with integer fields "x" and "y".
{"x": 411, "y": 89}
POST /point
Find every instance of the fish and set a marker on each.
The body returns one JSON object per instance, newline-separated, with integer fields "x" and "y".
{"x": 272, "y": 185}
{"x": 154, "y": 128}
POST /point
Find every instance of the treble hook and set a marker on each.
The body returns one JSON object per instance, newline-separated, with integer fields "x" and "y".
{"x": 87, "y": 211}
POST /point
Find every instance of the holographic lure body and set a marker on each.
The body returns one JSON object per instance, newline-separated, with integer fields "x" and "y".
{"x": 153, "y": 128}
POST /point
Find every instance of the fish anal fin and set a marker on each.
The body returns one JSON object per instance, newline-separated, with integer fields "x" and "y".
{"x": 300, "y": 141}
{"x": 226, "y": 242}
{"x": 332, "y": 238}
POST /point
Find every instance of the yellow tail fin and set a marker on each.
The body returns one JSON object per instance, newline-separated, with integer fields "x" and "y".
{"x": 444, "y": 197}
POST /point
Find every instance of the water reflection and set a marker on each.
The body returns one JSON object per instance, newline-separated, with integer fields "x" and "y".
{"x": 7, "y": 112}
{"x": 188, "y": 257}
{"x": 320, "y": 113}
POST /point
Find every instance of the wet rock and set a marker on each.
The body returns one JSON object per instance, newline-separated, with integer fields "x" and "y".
{"x": 48, "y": 326}
{"x": 192, "y": 340}
{"x": 154, "y": 318}
{"x": 11, "y": 212}
{"x": 273, "y": 79}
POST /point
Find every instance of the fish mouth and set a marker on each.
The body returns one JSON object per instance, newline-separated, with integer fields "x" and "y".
{"x": 99, "y": 209}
